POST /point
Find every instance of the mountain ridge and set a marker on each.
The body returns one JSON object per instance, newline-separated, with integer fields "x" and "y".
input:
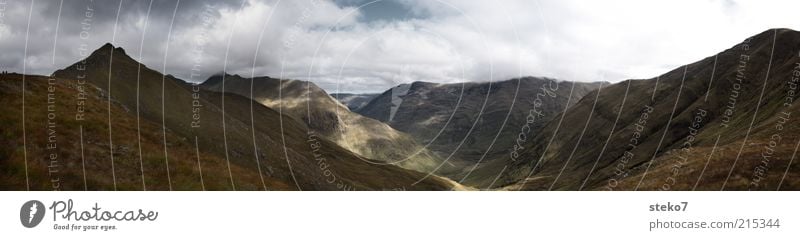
{"x": 473, "y": 122}
{"x": 322, "y": 113}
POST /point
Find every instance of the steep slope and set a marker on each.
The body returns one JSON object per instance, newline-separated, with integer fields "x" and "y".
{"x": 725, "y": 122}
{"x": 475, "y": 121}
{"x": 323, "y": 114}
{"x": 354, "y": 101}
{"x": 229, "y": 127}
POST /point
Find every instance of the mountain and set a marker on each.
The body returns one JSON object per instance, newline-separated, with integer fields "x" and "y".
{"x": 313, "y": 106}
{"x": 726, "y": 122}
{"x": 354, "y": 101}
{"x": 145, "y": 129}
{"x": 474, "y": 122}
{"x": 80, "y": 144}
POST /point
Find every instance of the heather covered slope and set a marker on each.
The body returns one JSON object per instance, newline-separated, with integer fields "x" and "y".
{"x": 81, "y": 146}
{"x": 678, "y": 131}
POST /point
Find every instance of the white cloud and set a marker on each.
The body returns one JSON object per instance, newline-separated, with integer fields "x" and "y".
{"x": 457, "y": 40}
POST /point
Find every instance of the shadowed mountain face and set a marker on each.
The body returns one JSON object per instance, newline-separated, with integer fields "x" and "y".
{"x": 323, "y": 114}
{"x": 354, "y": 101}
{"x": 143, "y": 129}
{"x": 475, "y": 122}
{"x": 725, "y": 122}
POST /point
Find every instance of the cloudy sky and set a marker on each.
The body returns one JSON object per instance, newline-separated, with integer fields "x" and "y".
{"x": 369, "y": 46}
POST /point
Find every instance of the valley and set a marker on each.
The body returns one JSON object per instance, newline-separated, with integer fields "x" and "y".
{"x": 108, "y": 122}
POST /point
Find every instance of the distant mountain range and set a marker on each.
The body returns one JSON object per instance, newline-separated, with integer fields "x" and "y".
{"x": 108, "y": 122}
{"x": 726, "y": 122}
